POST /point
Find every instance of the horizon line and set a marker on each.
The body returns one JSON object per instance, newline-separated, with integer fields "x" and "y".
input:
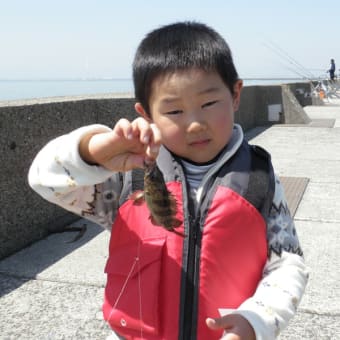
{"x": 130, "y": 79}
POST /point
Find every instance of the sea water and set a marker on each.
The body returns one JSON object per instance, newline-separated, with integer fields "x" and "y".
{"x": 31, "y": 89}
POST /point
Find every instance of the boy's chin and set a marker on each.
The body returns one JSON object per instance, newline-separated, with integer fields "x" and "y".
{"x": 196, "y": 161}
{"x": 204, "y": 160}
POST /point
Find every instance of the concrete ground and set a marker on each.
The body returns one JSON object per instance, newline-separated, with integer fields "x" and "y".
{"x": 53, "y": 289}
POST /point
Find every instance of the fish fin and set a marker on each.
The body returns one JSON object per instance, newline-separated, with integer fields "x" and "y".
{"x": 153, "y": 221}
{"x": 173, "y": 202}
{"x": 176, "y": 223}
{"x": 137, "y": 197}
{"x": 178, "y": 233}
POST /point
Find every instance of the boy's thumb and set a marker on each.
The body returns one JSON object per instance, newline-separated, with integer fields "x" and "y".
{"x": 217, "y": 323}
{"x": 212, "y": 323}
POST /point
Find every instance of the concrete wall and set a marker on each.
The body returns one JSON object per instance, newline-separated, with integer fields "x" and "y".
{"x": 28, "y": 125}
{"x": 294, "y": 113}
{"x": 302, "y": 93}
{"x": 25, "y": 128}
{"x": 260, "y": 105}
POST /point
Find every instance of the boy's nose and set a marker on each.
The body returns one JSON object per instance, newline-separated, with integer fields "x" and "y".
{"x": 195, "y": 124}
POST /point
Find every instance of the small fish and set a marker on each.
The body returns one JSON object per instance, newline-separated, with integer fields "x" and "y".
{"x": 161, "y": 203}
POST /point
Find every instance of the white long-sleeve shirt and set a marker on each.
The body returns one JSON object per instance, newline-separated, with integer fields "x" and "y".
{"x": 59, "y": 174}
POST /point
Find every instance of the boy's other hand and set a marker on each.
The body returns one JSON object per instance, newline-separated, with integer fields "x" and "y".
{"x": 235, "y": 327}
{"x": 127, "y": 146}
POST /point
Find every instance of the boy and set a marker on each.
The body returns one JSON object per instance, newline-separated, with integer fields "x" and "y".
{"x": 238, "y": 271}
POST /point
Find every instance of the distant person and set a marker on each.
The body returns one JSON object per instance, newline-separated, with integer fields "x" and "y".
{"x": 233, "y": 267}
{"x": 332, "y": 70}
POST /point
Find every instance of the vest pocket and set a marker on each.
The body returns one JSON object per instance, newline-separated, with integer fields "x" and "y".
{"x": 131, "y": 303}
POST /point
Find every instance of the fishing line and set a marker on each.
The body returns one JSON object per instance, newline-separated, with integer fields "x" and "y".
{"x": 135, "y": 262}
{"x": 140, "y": 294}
{"x": 290, "y": 59}
{"x": 293, "y": 70}
{"x": 300, "y": 69}
{"x": 293, "y": 60}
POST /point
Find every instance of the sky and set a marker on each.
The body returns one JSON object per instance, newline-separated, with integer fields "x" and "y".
{"x": 58, "y": 39}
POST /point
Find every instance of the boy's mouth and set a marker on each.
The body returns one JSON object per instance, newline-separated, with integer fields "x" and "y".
{"x": 200, "y": 142}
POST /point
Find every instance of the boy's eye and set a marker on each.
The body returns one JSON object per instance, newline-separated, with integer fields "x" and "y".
{"x": 174, "y": 112}
{"x": 209, "y": 103}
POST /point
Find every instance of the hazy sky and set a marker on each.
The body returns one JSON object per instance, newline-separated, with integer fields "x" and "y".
{"x": 88, "y": 38}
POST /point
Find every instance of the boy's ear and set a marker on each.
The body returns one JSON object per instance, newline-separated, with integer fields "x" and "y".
{"x": 237, "y": 94}
{"x": 140, "y": 110}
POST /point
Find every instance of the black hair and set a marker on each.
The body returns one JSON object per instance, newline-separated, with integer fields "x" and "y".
{"x": 180, "y": 46}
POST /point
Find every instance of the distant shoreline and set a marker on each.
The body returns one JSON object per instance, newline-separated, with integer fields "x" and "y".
{"x": 56, "y": 89}
{"x": 129, "y": 79}
{"x": 60, "y": 99}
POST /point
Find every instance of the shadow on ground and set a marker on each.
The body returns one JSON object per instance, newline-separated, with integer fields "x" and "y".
{"x": 29, "y": 262}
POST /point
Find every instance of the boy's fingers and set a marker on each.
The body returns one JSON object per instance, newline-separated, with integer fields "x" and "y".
{"x": 124, "y": 128}
{"x": 142, "y": 130}
{"x": 217, "y": 323}
{"x": 149, "y": 135}
{"x": 156, "y": 135}
{"x": 145, "y": 138}
{"x": 155, "y": 142}
{"x": 211, "y": 323}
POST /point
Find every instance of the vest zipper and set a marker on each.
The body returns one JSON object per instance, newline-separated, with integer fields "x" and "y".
{"x": 189, "y": 314}
{"x": 188, "y": 311}
{"x": 190, "y": 303}
{"x": 189, "y": 290}
{"x": 193, "y": 270}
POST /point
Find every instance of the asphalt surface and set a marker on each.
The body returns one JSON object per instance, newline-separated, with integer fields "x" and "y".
{"x": 54, "y": 289}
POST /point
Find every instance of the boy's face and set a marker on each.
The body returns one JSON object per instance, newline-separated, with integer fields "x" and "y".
{"x": 194, "y": 111}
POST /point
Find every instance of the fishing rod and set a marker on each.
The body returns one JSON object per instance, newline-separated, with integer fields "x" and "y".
{"x": 287, "y": 58}
{"x": 284, "y": 55}
{"x": 294, "y": 60}
{"x": 294, "y": 71}
{"x": 298, "y": 68}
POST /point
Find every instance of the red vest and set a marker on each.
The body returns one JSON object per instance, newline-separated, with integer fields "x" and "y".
{"x": 145, "y": 293}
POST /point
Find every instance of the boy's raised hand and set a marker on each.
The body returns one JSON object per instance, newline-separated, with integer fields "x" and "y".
{"x": 235, "y": 327}
{"x": 126, "y": 147}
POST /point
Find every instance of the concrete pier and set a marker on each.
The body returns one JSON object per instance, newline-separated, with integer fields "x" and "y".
{"x": 53, "y": 289}
{"x": 25, "y": 126}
